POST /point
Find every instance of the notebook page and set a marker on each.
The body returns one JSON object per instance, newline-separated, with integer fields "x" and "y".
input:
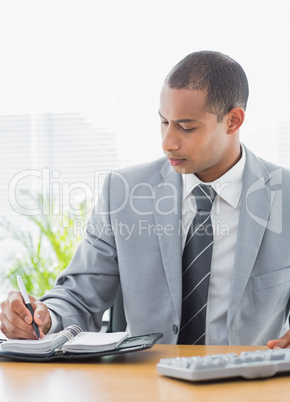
{"x": 28, "y": 346}
{"x": 47, "y": 345}
{"x": 95, "y": 342}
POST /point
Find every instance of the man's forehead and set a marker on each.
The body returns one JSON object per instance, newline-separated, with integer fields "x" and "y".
{"x": 182, "y": 101}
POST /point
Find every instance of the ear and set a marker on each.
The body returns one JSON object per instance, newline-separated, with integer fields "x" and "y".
{"x": 235, "y": 119}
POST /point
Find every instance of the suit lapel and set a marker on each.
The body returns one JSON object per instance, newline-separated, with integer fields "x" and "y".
{"x": 167, "y": 213}
{"x": 255, "y": 208}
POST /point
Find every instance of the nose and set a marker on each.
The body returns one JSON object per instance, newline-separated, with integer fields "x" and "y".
{"x": 170, "y": 141}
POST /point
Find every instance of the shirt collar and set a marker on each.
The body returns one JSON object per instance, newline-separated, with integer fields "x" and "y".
{"x": 228, "y": 186}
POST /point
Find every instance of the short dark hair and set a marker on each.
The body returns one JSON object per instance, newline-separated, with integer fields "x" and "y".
{"x": 219, "y": 75}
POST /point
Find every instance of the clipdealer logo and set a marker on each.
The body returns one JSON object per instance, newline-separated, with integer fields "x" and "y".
{"x": 58, "y": 197}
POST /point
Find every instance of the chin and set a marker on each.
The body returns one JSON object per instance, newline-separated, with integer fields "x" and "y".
{"x": 183, "y": 170}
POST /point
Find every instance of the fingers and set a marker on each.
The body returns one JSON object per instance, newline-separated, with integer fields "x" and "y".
{"x": 42, "y": 317}
{"x": 16, "y": 319}
{"x": 281, "y": 343}
{"x": 272, "y": 343}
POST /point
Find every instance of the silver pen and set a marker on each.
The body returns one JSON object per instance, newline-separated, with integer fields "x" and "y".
{"x": 27, "y": 303}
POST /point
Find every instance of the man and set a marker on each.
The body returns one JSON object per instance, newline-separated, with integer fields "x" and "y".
{"x": 138, "y": 232}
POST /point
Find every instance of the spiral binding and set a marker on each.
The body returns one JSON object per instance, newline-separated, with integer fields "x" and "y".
{"x": 72, "y": 331}
{"x": 66, "y": 335}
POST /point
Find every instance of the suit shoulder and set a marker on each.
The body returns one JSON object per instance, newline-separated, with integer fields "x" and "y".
{"x": 147, "y": 172}
{"x": 254, "y": 162}
{"x": 271, "y": 167}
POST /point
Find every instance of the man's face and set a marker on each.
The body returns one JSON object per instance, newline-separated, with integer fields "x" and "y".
{"x": 192, "y": 139}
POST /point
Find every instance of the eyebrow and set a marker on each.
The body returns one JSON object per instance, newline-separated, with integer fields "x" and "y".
{"x": 180, "y": 120}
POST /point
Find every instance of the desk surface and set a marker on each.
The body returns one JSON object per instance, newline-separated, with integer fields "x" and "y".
{"x": 130, "y": 377}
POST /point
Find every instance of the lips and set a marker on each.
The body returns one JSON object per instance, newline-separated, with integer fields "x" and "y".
{"x": 176, "y": 162}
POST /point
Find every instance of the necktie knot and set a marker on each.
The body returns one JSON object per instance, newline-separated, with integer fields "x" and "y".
{"x": 204, "y": 196}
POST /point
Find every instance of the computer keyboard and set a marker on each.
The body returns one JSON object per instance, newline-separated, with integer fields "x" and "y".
{"x": 254, "y": 364}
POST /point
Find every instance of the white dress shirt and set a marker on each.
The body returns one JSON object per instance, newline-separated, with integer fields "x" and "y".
{"x": 225, "y": 219}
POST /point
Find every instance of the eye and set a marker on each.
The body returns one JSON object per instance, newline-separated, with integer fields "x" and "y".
{"x": 188, "y": 130}
{"x": 164, "y": 122}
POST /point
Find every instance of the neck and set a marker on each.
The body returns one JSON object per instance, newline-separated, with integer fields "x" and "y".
{"x": 215, "y": 172}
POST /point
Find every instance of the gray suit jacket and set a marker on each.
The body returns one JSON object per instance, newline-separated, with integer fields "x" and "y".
{"x": 134, "y": 238}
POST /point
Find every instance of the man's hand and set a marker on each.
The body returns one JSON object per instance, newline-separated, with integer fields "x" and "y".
{"x": 16, "y": 320}
{"x": 283, "y": 342}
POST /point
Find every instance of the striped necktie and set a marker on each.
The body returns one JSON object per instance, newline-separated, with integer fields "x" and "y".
{"x": 196, "y": 263}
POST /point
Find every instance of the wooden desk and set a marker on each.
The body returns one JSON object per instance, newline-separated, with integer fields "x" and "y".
{"x": 131, "y": 377}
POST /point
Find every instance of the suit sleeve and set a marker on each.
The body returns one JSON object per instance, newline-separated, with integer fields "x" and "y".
{"x": 89, "y": 285}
